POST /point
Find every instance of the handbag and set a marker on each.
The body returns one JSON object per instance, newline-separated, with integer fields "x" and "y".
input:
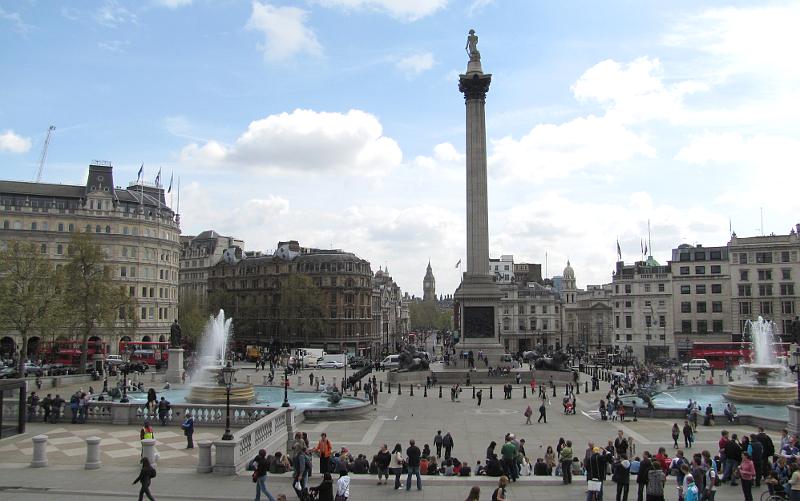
{"x": 594, "y": 486}
{"x": 255, "y": 476}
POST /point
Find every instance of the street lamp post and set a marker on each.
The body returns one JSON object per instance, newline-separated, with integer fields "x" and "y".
{"x": 126, "y": 358}
{"x": 227, "y": 377}
{"x": 797, "y": 370}
{"x": 285, "y": 387}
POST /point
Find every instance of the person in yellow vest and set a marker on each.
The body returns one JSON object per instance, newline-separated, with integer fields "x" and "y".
{"x": 146, "y": 431}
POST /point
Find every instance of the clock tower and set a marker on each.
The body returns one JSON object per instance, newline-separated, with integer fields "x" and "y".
{"x": 429, "y": 285}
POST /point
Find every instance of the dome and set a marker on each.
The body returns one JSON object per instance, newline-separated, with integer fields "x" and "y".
{"x": 569, "y": 273}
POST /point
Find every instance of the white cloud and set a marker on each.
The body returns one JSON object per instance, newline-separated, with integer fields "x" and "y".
{"x": 409, "y": 10}
{"x": 173, "y": 4}
{"x": 113, "y": 45}
{"x": 305, "y": 141}
{"x": 285, "y": 31}
{"x": 416, "y": 63}
{"x": 477, "y": 6}
{"x": 14, "y": 143}
{"x": 112, "y": 15}
{"x": 20, "y": 26}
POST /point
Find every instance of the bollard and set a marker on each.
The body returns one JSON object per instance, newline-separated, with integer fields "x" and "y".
{"x": 249, "y": 379}
{"x": 425, "y": 391}
{"x": 399, "y": 389}
{"x": 149, "y": 449}
{"x": 440, "y": 391}
{"x": 578, "y": 388}
{"x": 411, "y": 393}
{"x": 491, "y": 393}
{"x": 524, "y": 391}
{"x": 39, "y": 451}
{"x": 153, "y": 377}
{"x": 566, "y": 389}
{"x": 473, "y": 393}
{"x": 204, "y": 458}
{"x": 92, "y": 453}
{"x": 381, "y": 386}
{"x": 586, "y": 386}
{"x": 389, "y": 384}
{"x": 554, "y": 390}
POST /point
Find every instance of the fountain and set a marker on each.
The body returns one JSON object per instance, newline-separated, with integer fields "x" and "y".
{"x": 207, "y": 386}
{"x": 763, "y": 387}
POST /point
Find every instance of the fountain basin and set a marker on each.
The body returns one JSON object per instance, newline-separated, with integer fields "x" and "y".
{"x": 776, "y": 392}
{"x": 241, "y": 394}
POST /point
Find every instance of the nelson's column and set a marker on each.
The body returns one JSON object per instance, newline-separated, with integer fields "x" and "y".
{"x": 478, "y": 295}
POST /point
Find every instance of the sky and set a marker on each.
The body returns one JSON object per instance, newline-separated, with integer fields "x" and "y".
{"x": 338, "y": 123}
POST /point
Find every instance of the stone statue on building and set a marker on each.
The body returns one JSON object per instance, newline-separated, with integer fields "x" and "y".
{"x": 472, "y": 46}
{"x": 175, "y": 339}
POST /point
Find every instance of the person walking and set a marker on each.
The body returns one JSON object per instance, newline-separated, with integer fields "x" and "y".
{"x": 382, "y": 460}
{"x": 479, "y": 396}
{"x": 747, "y": 472}
{"x": 641, "y": 477}
{"x": 33, "y": 406}
{"x": 58, "y": 404}
{"x": 146, "y": 475}
{"x": 542, "y": 413}
{"x": 565, "y": 457}
{"x": 324, "y": 490}
{"x": 260, "y": 475}
{"x": 396, "y": 464}
{"x": 447, "y": 443}
{"x": 47, "y": 403}
{"x": 188, "y": 429}
{"x": 413, "y": 454}
{"x": 528, "y": 413}
{"x": 499, "y": 493}
{"x": 437, "y": 441}
{"x": 474, "y": 494}
{"x": 655, "y": 482}
{"x": 622, "y": 476}
{"x": 688, "y": 435}
{"x": 676, "y": 433}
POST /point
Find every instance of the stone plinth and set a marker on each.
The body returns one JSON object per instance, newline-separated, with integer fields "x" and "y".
{"x": 794, "y": 419}
{"x": 204, "y": 457}
{"x": 39, "y": 451}
{"x": 92, "y": 453}
{"x": 175, "y": 365}
{"x": 149, "y": 449}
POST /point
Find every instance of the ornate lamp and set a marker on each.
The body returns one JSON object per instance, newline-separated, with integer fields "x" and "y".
{"x": 227, "y": 378}
{"x": 797, "y": 370}
{"x": 126, "y": 358}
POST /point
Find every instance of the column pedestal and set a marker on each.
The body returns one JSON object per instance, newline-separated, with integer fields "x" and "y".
{"x": 92, "y": 453}
{"x": 175, "y": 365}
{"x": 793, "y": 424}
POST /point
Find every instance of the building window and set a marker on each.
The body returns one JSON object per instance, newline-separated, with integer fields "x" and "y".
{"x": 686, "y": 326}
{"x": 716, "y": 288}
{"x": 784, "y": 256}
{"x": 700, "y": 289}
{"x": 123, "y": 272}
{"x": 660, "y": 287}
{"x": 662, "y": 321}
{"x": 763, "y": 257}
{"x": 33, "y": 225}
{"x": 716, "y": 269}
{"x": 715, "y": 256}
{"x": 108, "y": 229}
{"x": 647, "y": 287}
{"x": 59, "y": 249}
{"x": 717, "y": 326}
{"x": 716, "y": 307}
{"x": 628, "y": 304}
{"x": 686, "y": 289}
{"x": 71, "y": 227}
{"x": 60, "y": 226}
{"x": 745, "y": 290}
{"x": 702, "y": 327}
{"x": 786, "y": 274}
{"x": 745, "y": 308}
{"x": 765, "y": 307}
{"x": 627, "y": 288}
{"x": 628, "y": 322}
{"x": 686, "y": 307}
{"x": 143, "y": 315}
{"x": 648, "y": 321}
{"x": 787, "y": 308}
{"x": 765, "y": 289}
{"x": 684, "y": 270}
{"x": 699, "y": 256}
{"x": 787, "y": 289}
{"x": 700, "y": 270}
{"x": 765, "y": 274}
{"x": 647, "y": 304}
{"x": 43, "y": 249}
{"x": 616, "y": 323}
{"x": 701, "y": 307}
{"x": 744, "y": 275}
{"x": 684, "y": 256}
{"x": 743, "y": 258}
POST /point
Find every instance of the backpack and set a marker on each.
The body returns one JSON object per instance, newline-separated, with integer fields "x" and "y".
{"x": 675, "y": 467}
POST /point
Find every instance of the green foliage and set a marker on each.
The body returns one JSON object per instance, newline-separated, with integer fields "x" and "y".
{"x": 93, "y": 299}
{"x": 192, "y": 317}
{"x": 426, "y": 315}
{"x": 30, "y": 292}
{"x": 301, "y": 306}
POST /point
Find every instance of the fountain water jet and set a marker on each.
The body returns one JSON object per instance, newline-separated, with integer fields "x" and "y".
{"x": 207, "y": 386}
{"x": 762, "y": 388}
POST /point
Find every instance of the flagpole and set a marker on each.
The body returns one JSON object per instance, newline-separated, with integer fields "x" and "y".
{"x": 179, "y": 195}
{"x": 649, "y": 241}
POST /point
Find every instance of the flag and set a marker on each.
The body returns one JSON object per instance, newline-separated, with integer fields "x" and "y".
{"x": 458, "y": 263}
{"x": 141, "y": 170}
{"x": 641, "y": 245}
{"x": 169, "y": 190}
{"x": 158, "y": 177}
{"x": 619, "y": 250}
{"x": 645, "y": 249}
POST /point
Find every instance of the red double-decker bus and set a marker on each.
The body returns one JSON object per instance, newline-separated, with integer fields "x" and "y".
{"x": 722, "y": 354}
{"x": 68, "y": 351}
{"x": 152, "y": 353}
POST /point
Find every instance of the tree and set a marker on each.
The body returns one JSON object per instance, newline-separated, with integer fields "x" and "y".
{"x": 425, "y": 315}
{"x": 192, "y": 316}
{"x": 30, "y": 293}
{"x": 93, "y": 299}
{"x": 301, "y": 306}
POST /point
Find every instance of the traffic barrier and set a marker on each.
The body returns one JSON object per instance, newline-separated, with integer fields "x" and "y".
{"x": 92, "y": 453}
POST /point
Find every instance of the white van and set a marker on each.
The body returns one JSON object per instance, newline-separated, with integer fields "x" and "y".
{"x": 391, "y": 362}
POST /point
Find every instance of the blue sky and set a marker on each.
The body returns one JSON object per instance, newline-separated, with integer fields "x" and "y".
{"x": 339, "y": 122}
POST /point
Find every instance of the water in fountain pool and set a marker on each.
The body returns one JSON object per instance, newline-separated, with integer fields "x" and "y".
{"x": 265, "y": 395}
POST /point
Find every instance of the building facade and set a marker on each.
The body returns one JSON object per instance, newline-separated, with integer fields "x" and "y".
{"x": 198, "y": 255}
{"x": 250, "y": 289}
{"x": 390, "y": 312}
{"x": 137, "y": 231}
{"x": 764, "y": 271}
{"x": 642, "y": 298}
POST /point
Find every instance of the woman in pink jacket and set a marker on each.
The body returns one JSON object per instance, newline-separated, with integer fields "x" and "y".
{"x": 747, "y": 472}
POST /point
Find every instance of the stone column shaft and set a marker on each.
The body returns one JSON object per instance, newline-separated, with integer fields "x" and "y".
{"x": 477, "y": 199}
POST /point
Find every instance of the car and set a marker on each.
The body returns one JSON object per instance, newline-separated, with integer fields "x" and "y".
{"x": 391, "y": 362}
{"x": 357, "y": 362}
{"x": 138, "y": 367}
{"x": 114, "y": 360}
{"x": 697, "y": 363}
{"x": 33, "y": 370}
{"x": 330, "y": 364}
{"x": 8, "y": 373}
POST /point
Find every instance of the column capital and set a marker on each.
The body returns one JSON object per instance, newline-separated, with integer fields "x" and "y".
{"x": 474, "y": 86}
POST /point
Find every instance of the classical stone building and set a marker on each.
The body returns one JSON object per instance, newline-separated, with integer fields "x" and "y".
{"x": 389, "y": 312}
{"x": 764, "y": 271}
{"x": 429, "y": 285}
{"x": 587, "y": 314}
{"x": 701, "y": 287}
{"x": 642, "y": 307}
{"x": 198, "y": 255}
{"x": 250, "y": 288}
{"x": 138, "y": 232}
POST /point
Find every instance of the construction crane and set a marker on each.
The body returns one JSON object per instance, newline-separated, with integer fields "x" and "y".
{"x": 43, "y": 157}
